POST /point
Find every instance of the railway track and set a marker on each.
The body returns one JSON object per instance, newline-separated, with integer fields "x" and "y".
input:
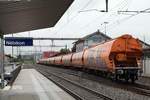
{"x": 141, "y": 89}
{"x": 89, "y": 94}
{"x": 76, "y": 96}
{"x": 136, "y": 88}
{"x": 144, "y": 80}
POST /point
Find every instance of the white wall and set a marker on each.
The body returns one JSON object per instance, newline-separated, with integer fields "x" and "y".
{"x": 79, "y": 47}
{"x": 93, "y": 40}
{"x": 147, "y": 67}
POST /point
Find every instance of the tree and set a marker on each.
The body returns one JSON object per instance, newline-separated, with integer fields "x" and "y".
{"x": 64, "y": 51}
{"x": 74, "y": 48}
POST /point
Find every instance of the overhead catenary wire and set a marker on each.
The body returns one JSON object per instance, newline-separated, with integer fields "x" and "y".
{"x": 118, "y": 22}
{"x": 124, "y": 19}
{"x": 71, "y": 19}
{"x": 112, "y": 12}
{"x": 66, "y": 24}
{"x": 134, "y": 15}
{"x": 75, "y": 16}
{"x": 134, "y": 11}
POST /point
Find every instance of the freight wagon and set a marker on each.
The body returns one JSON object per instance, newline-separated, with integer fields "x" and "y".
{"x": 119, "y": 58}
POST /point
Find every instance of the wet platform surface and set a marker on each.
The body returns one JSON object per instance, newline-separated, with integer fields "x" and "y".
{"x": 31, "y": 85}
{"x": 146, "y": 75}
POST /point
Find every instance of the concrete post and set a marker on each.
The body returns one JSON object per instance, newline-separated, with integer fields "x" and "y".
{"x": 2, "y": 62}
{"x": 12, "y": 55}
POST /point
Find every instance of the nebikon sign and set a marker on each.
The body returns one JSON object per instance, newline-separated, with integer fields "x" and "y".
{"x": 17, "y": 41}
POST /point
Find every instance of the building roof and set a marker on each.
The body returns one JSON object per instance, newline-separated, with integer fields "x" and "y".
{"x": 97, "y": 32}
{"x": 26, "y": 15}
{"x": 145, "y": 43}
{"x": 90, "y": 35}
{"x": 104, "y": 35}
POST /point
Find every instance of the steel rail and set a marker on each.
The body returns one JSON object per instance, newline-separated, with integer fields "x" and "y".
{"x": 83, "y": 87}
{"x": 136, "y": 88}
{"x": 76, "y": 96}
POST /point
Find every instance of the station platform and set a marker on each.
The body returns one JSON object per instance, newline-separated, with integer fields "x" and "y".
{"x": 146, "y": 75}
{"x": 31, "y": 85}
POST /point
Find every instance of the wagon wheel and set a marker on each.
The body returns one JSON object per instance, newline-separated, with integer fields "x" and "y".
{"x": 133, "y": 78}
{"x": 127, "y": 78}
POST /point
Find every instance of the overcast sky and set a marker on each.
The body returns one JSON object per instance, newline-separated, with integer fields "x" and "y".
{"x": 81, "y": 19}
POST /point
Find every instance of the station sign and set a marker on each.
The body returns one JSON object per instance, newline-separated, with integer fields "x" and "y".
{"x": 17, "y": 41}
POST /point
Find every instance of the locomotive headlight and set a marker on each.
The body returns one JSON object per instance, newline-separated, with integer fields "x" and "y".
{"x": 119, "y": 71}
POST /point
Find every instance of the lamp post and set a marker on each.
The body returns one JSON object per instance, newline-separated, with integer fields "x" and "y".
{"x": 105, "y": 23}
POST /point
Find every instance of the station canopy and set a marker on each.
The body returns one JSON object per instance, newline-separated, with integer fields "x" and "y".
{"x": 26, "y": 15}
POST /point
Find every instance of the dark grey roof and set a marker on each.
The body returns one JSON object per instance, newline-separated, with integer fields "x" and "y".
{"x": 25, "y": 15}
{"x": 145, "y": 43}
{"x": 97, "y": 32}
{"x": 104, "y": 35}
{"x": 92, "y": 34}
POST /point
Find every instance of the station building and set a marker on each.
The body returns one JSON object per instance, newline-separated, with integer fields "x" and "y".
{"x": 98, "y": 37}
{"x": 89, "y": 40}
